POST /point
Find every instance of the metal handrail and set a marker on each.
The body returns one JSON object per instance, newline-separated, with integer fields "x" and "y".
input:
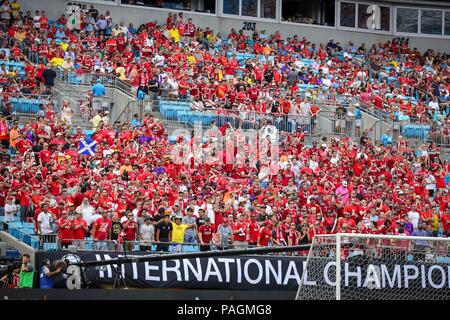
{"x": 127, "y": 108}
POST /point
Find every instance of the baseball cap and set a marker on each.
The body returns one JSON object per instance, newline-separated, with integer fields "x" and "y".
{"x": 344, "y": 183}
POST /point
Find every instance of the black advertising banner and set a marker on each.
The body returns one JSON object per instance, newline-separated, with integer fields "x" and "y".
{"x": 361, "y": 277}
{"x": 232, "y": 273}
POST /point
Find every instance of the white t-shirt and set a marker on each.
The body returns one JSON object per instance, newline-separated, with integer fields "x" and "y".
{"x": 433, "y": 105}
{"x": 45, "y": 219}
{"x": 10, "y": 211}
{"x": 36, "y": 22}
{"x": 304, "y": 109}
{"x": 414, "y": 217}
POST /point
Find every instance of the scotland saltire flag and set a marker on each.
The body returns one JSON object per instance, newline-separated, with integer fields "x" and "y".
{"x": 87, "y": 147}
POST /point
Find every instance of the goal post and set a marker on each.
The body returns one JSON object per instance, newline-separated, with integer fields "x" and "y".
{"x": 376, "y": 267}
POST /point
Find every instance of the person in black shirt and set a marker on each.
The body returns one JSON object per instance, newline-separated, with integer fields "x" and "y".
{"x": 201, "y": 218}
{"x": 153, "y": 88}
{"x": 93, "y": 12}
{"x": 268, "y": 75}
{"x": 158, "y": 216}
{"x": 116, "y": 229}
{"x": 164, "y": 233}
{"x": 49, "y": 75}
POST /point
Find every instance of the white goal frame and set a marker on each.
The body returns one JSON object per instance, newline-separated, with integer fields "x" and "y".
{"x": 340, "y": 239}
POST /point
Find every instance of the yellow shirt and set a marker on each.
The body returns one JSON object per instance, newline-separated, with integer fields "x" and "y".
{"x": 95, "y": 120}
{"x": 15, "y": 7}
{"x": 210, "y": 37}
{"x": 178, "y": 232}
{"x": 435, "y": 222}
{"x": 191, "y": 59}
{"x": 121, "y": 72}
{"x": 57, "y": 61}
{"x": 64, "y": 46}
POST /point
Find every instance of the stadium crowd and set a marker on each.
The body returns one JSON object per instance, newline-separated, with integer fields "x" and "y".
{"x": 134, "y": 185}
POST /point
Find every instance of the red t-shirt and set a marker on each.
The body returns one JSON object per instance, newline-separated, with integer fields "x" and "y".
{"x": 206, "y": 232}
{"x": 78, "y": 233}
{"x": 130, "y": 231}
{"x": 64, "y": 233}
{"x": 264, "y": 234}
{"x": 241, "y": 236}
{"x": 253, "y": 231}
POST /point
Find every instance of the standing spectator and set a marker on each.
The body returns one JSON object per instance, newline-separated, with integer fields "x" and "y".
{"x": 420, "y": 246}
{"x": 146, "y": 235}
{"x": 116, "y": 230}
{"x": 79, "y": 228}
{"x": 164, "y": 233}
{"x": 65, "y": 234}
{"x": 358, "y": 120}
{"x": 225, "y": 233}
{"x": 205, "y": 233}
{"x": 179, "y": 231}
{"x": 49, "y": 76}
{"x": 130, "y": 229}
{"x": 445, "y": 221}
{"x": 5, "y": 11}
{"x": 240, "y": 233}
{"x": 44, "y": 225}
{"x": 25, "y": 203}
{"x": 190, "y": 233}
{"x": 265, "y": 234}
{"x": 26, "y": 272}
{"x": 386, "y": 138}
{"x": 98, "y": 89}
{"x": 10, "y": 211}
{"x": 101, "y": 231}
{"x": 414, "y": 217}
{"x": 86, "y": 210}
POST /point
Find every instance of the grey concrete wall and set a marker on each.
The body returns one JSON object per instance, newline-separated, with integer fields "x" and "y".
{"x": 317, "y": 34}
{"x": 19, "y": 245}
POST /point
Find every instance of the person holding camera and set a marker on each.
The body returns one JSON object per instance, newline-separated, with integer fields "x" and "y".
{"x": 47, "y": 276}
{"x": 11, "y": 279}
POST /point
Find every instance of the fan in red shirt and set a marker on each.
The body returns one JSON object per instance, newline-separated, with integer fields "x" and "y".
{"x": 239, "y": 232}
{"x": 130, "y": 229}
{"x": 101, "y": 230}
{"x": 205, "y": 233}
{"x": 253, "y": 231}
{"x": 265, "y": 234}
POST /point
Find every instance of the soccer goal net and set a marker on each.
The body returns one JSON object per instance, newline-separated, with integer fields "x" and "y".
{"x": 376, "y": 267}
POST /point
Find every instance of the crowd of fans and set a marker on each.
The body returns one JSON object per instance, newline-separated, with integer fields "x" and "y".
{"x": 134, "y": 187}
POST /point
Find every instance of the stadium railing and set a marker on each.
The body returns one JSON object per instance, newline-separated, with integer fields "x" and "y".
{"x": 88, "y": 78}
